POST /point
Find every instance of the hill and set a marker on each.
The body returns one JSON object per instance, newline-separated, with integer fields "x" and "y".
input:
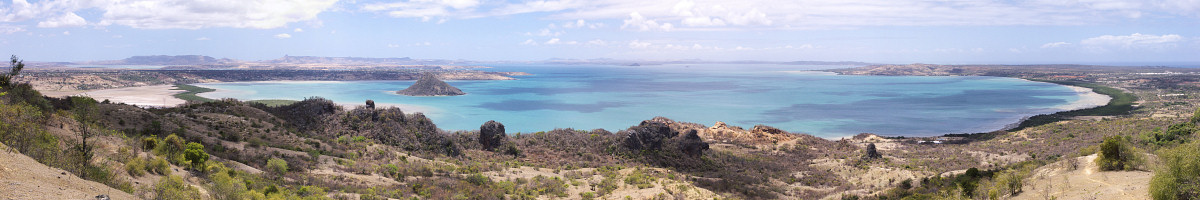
{"x": 429, "y": 85}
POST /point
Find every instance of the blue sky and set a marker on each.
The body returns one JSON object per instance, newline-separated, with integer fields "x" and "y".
{"x": 887, "y": 31}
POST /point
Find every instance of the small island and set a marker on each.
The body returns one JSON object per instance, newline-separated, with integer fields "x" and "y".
{"x": 429, "y": 85}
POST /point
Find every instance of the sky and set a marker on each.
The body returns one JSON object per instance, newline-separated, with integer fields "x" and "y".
{"x": 880, "y": 31}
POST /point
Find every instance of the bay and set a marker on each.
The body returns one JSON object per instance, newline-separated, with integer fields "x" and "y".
{"x": 783, "y": 96}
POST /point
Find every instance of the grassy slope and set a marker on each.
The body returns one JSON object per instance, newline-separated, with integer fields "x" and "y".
{"x": 190, "y": 92}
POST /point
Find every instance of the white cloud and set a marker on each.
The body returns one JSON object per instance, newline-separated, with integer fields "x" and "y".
{"x": 425, "y": 9}
{"x": 169, "y": 14}
{"x": 298, "y": 30}
{"x": 639, "y": 44}
{"x": 637, "y": 22}
{"x": 66, "y": 20}
{"x": 552, "y": 41}
{"x": 283, "y": 36}
{"x": 66, "y": 32}
{"x": 186, "y": 14}
{"x": 1134, "y": 41}
{"x": 719, "y": 14}
{"x": 1055, "y": 45}
{"x": 582, "y": 24}
{"x": 393, "y": 45}
{"x": 529, "y": 42}
{"x": 8, "y": 29}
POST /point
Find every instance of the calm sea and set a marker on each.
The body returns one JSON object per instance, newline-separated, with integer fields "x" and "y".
{"x": 783, "y": 96}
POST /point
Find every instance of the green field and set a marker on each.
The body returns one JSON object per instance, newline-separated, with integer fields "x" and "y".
{"x": 274, "y": 102}
{"x": 190, "y": 92}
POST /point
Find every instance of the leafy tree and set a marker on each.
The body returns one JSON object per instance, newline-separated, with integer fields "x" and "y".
{"x": 195, "y": 155}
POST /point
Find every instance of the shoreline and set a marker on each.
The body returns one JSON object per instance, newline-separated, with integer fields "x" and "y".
{"x": 142, "y": 96}
{"x": 408, "y": 108}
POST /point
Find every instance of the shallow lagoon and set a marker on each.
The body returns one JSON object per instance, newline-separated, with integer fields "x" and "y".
{"x": 783, "y": 96}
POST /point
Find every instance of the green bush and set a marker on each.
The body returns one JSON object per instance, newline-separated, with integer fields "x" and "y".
{"x": 160, "y": 166}
{"x": 1177, "y": 179}
{"x": 195, "y": 155}
{"x": 1117, "y": 154}
{"x": 479, "y": 179}
{"x": 277, "y": 166}
{"x": 172, "y": 187}
{"x": 170, "y": 146}
{"x": 135, "y": 167}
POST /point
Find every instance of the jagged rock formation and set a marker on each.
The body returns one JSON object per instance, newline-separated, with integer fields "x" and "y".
{"x": 491, "y": 135}
{"x": 429, "y": 85}
{"x": 871, "y": 152}
{"x": 653, "y": 136}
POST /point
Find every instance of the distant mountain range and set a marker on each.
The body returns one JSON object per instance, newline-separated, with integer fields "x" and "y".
{"x": 165, "y": 60}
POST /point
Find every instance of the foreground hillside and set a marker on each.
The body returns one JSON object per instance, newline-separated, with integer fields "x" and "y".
{"x": 315, "y": 149}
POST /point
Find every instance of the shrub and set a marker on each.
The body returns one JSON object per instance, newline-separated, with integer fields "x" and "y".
{"x": 195, "y": 155}
{"x": 277, "y": 166}
{"x": 225, "y": 187}
{"x": 640, "y": 179}
{"x": 170, "y": 146}
{"x": 478, "y": 179}
{"x": 1177, "y": 177}
{"x": 135, "y": 167}
{"x": 1116, "y": 154}
{"x": 160, "y": 166}
{"x": 149, "y": 143}
{"x": 172, "y": 187}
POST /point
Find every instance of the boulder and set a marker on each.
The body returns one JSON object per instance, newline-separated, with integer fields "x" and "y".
{"x": 491, "y": 135}
{"x": 871, "y": 153}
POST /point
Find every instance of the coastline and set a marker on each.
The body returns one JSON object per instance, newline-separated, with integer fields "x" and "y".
{"x": 408, "y": 108}
{"x": 144, "y": 96}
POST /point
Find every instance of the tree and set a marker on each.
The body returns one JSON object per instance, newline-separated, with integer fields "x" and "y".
{"x": 6, "y": 80}
{"x": 84, "y": 109}
{"x": 195, "y": 155}
{"x": 1115, "y": 154}
{"x": 16, "y": 65}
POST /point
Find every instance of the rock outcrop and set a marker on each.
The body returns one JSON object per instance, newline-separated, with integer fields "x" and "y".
{"x": 871, "y": 153}
{"x": 491, "y": 135}
{"x": 654, "y": 136}
{"x": 429, "y": 85}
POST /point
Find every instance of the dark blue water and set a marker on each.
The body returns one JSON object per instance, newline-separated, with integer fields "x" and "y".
{"x": 784, "y": 96}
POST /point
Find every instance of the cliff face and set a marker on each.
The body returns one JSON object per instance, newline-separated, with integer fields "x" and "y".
{"x": 429, "y": 85}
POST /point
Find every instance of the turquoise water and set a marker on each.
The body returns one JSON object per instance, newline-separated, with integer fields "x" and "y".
{"x": 783, "y": 96}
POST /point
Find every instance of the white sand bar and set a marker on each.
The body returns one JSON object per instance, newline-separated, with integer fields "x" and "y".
{"x": 145, "y": 96}
{"x": 1087, "y": 99}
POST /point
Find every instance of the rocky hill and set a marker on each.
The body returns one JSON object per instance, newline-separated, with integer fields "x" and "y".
{"x": 429, "y": 85}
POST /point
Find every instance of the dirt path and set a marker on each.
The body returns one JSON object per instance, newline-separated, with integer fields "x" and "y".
{"x": 1085, "y": 181}
{"x": 21, "y": 177}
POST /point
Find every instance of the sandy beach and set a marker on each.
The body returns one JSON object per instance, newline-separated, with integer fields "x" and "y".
{"x": 1087, "y": 99}
{"x": 146, "y": 96}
